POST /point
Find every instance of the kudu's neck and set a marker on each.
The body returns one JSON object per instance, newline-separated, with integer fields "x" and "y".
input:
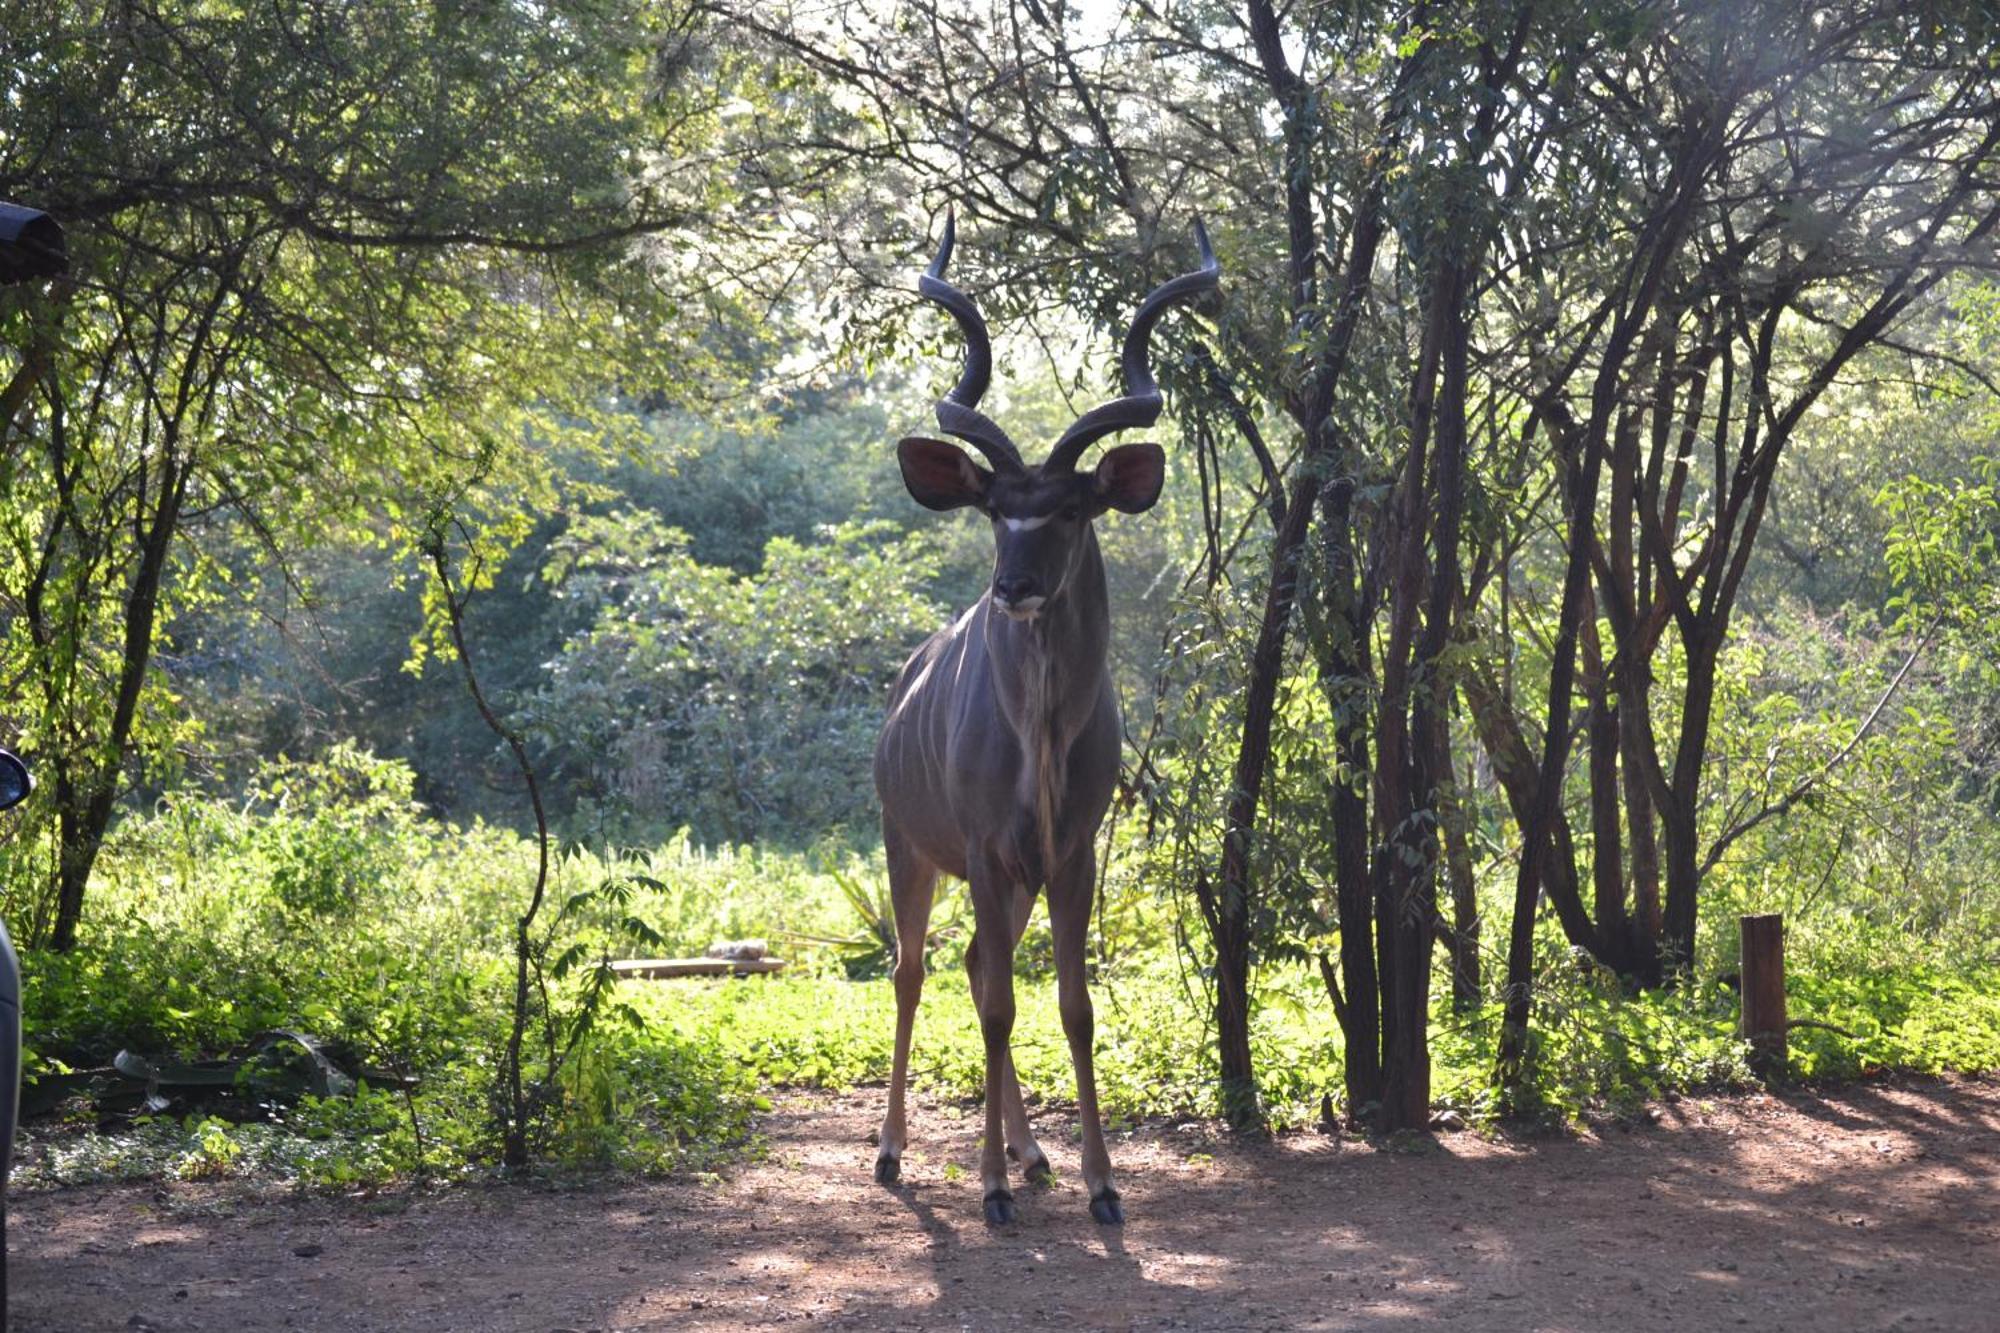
{"x": 1055, "y": 659}
{"x": 1047, "y": 675}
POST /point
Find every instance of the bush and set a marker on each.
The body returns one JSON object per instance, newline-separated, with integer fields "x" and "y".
{"x": 741, "y": 706}
{"x": 326, "y": 903}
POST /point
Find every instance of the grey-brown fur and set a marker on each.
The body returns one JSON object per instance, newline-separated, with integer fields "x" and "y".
{"x": 1000, "y": 753}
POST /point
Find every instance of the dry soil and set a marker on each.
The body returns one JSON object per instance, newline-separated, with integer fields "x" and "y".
{"x": 1874, "y": 1206}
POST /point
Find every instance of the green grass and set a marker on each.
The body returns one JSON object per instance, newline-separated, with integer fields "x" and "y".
{"x": 819, "y": 1029}
{"x": 1154, "y": 1055}
{"x": 1925, "y": 1019}
{"x": 364, "y": 923}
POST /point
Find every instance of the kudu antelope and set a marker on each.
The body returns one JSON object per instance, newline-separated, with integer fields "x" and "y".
{"x": 1000, "y": 752}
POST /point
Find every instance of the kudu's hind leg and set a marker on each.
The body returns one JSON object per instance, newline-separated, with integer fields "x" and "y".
{"x": 1070, "y": 894}
{"x": 1021, "y": 1145}
{"x": 912, "y": 886}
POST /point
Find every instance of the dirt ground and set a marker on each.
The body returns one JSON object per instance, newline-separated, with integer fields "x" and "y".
{"x": 1867, "y": 1207}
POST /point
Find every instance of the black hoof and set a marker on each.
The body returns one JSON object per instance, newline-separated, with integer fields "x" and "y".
{"x": 1104, "y": 1207}
{"x": 1039, "y": 1172}
{"x": 1000, "y": 1210}
{"x": 888, "y": 1170}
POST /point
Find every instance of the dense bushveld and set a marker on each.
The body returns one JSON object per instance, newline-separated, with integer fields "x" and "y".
{"x": 731, "y": 675}
{"x": 328, "y": 901}
{"x": 323, "y": 896}
{"x": 1582, "y": 528}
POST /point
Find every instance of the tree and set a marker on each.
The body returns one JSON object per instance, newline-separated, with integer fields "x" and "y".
{"x": 741, "y": 707}
{"x": 1056, "y": 134}
{"x": 1493, "y": 274}
{"x": 1797, "y": 184}
{"x": 324, "y": 257}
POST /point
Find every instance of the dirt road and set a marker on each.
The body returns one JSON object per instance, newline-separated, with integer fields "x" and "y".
{"x": 1870, "y": 1207}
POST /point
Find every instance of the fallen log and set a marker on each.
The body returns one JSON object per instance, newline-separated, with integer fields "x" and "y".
{"x": 658, "y": 968}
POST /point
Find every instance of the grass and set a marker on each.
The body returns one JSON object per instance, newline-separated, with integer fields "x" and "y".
{"x": 366, "y": 924}
{"x": 819, "y": 1029}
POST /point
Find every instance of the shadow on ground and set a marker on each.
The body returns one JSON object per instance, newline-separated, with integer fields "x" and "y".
{"x": 1874, "y": 1206}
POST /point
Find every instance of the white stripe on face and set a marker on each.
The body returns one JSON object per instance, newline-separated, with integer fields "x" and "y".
{"x": 1026, "y": 524}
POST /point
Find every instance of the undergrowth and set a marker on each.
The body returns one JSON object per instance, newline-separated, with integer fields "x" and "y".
{"x": 328, "y": 904}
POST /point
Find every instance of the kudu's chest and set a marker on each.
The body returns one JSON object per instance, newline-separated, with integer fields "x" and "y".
{"x": 999, "y": 745}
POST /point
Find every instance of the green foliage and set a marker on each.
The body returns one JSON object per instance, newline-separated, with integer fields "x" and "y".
{"x": 742, "y": 706}
{"x": 299, "y": 675}
{"x": 1924, "y": 1018}
{"x": 310, "y": 294}
{"x": 872, "y": 952}
{"x": 329, "y": 904}
{"x": 823, "y": 1030}
{"x": 734, "y": 485}
{"x": 226, "y": 919}
{"x": 1596, "y": 1048}
{"x": 1599, "y": 1050}
{"x": 1885, "y": 860}
{"x": 1944, "y": 547}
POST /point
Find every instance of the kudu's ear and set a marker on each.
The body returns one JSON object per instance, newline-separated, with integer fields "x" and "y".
{"x": 1129, "y": 477}
{"x": 940, "y": 475}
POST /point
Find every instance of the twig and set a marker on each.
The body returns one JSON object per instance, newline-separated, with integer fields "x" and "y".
{"x": 1828, "y": 1027}
{"x": 514, "y": 1140}
{"x": 1806, "y": 784}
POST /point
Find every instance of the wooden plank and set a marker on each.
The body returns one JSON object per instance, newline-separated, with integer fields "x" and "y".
{"x": 654, "y": 968}
{"x": 1764, "y": 993}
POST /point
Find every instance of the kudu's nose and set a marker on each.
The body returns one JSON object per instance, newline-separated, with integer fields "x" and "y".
{"x": 1015, "y": 589}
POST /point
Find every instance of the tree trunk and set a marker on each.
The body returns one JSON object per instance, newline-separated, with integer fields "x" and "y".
{"x": 1545, "y": 814}
{"x": 1462, "y": 933}
{"x": 1607, "y": 861}
{"x": 1232, "y": 1014}
{"x": 1634, "y": 732}
{"x": 1361, "y": 1029}
{"x": 1340, "y": 646}
{"x": 1230, "y": 903}
{"x": 85, "y": 801}
{"x": 76, "y": 850}
{"x": 1406, "y": 1057}
{"x": 1678, "y": 924}
{"x": 1230, "y": 900}
{"x": 1414, "y": 844}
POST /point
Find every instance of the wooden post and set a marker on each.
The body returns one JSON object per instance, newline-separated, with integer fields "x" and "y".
{"x": 1764, "y": 993}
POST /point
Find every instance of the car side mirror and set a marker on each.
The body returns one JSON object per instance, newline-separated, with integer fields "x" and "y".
{"x": 15, "y": 782}
{"x": 31, "y": 245}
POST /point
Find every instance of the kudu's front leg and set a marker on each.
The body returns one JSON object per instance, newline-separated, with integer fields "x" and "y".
{"x": 1021, "y": 1143}
{"x": 992, "y": 914}
{"x": 1070, "y": 893}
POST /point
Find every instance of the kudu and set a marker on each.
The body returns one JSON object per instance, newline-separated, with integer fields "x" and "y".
{"x": 1000, "y": 752}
